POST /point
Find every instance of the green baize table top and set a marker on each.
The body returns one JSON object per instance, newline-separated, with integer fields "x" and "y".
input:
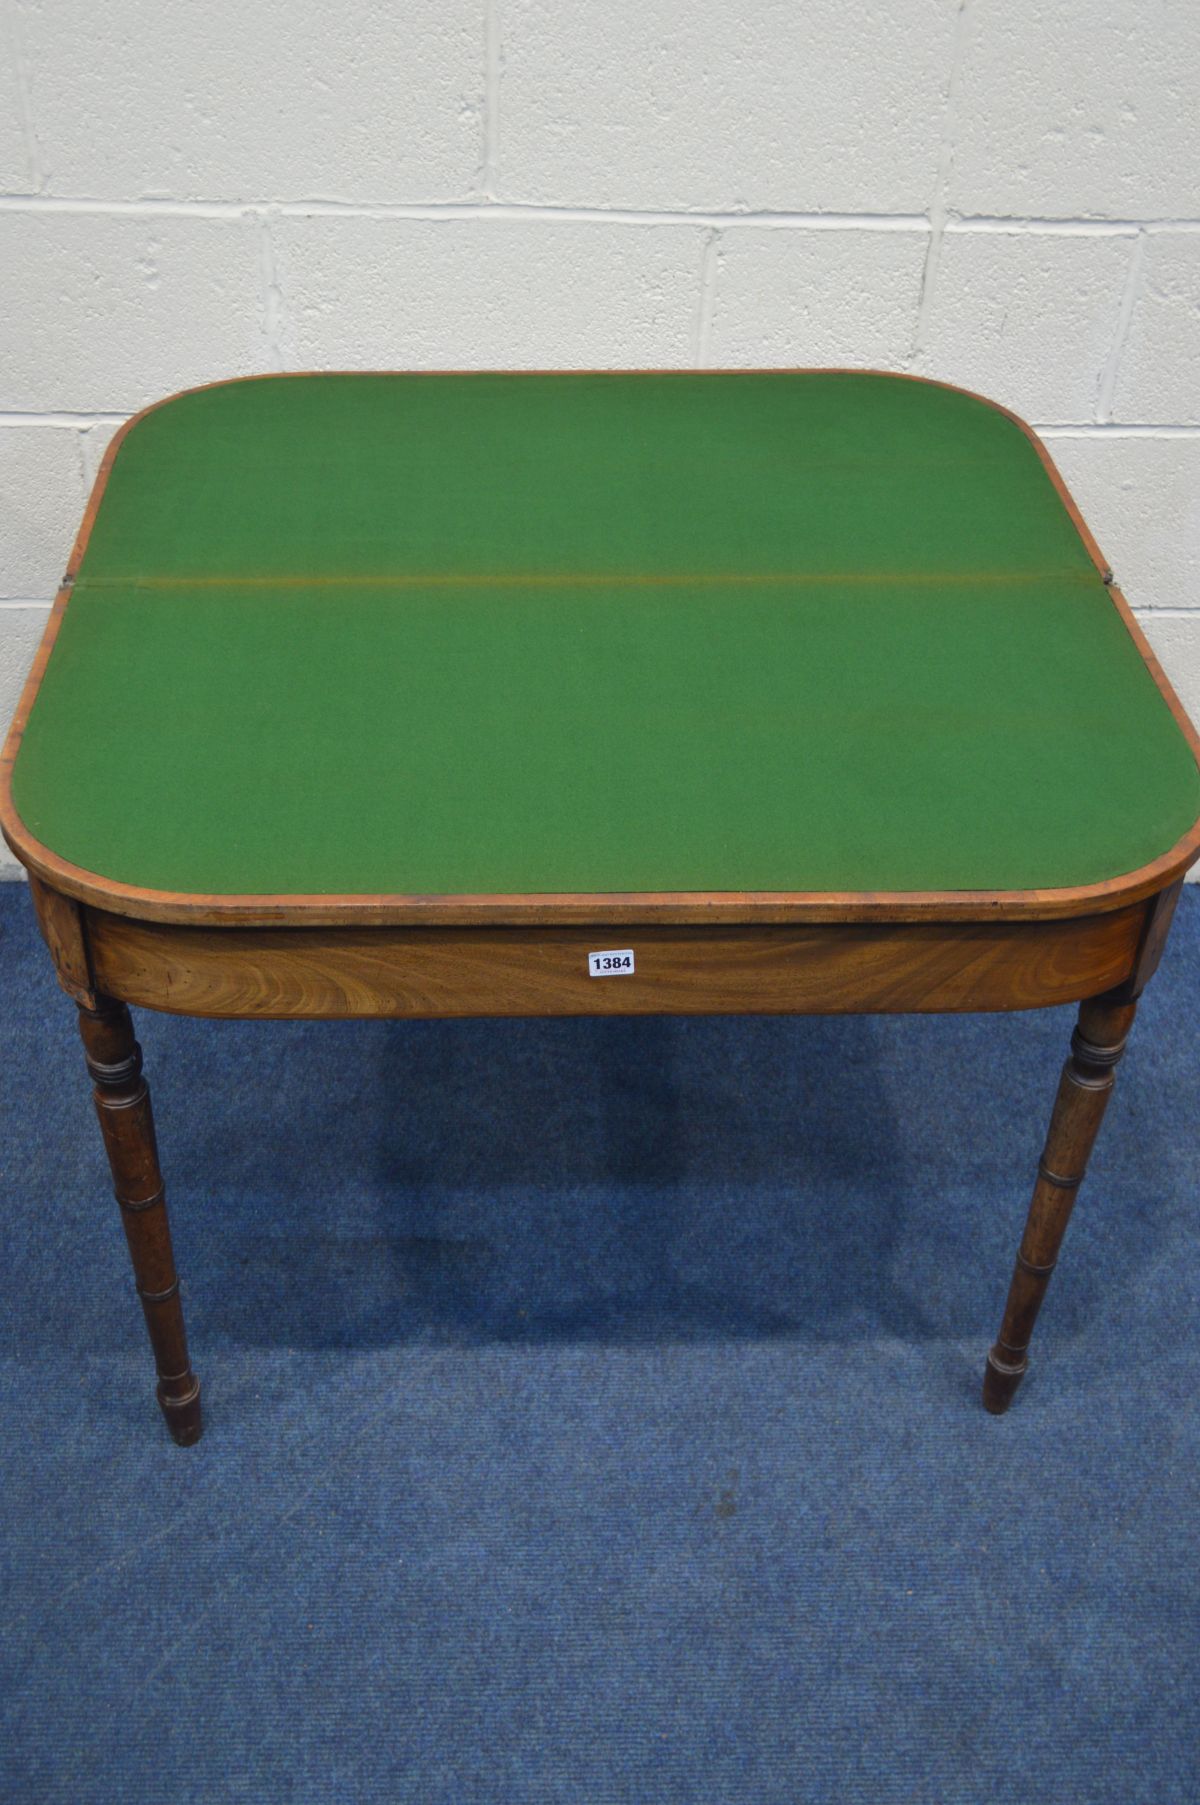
{"x": 482, "y": 633}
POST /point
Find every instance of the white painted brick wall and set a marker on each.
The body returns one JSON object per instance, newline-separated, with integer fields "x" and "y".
{"x": 798, "y": 295}
{"x": 371, "y": 293}
{"x": 275, "y": 99}
{"x": 42, "y": 492}
{"x": 15, "y": 169}
{"x": 104, "y": 312}
{"x": 1145, "y": 488}
{"x": 1158, "y": 373}
{"x": 829, "y": 106}
{"x": 1075, "y": 107}
{"x": 1004, "y": 195}
{"x": 1027, "y": 317}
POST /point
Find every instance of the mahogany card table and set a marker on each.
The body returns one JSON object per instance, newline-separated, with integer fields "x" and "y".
{"x": 593, "y": 694}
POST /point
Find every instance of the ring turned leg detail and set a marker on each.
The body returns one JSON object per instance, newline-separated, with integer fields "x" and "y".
{"x": 114, "y": 1060}
{"x": 1083, "y": 1092}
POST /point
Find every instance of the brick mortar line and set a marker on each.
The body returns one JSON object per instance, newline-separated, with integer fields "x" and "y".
{"x": 12, "y": 28}
{"x": 81, "y": 422}
{"x": 85, "y": 420}
{"x": 271, "y": 297}
{"x": 1118, "y": 429}
{"x": 1106, "y": 386}
{"x": 492, "y": 63}
{"x": 1068, "y": 225}
{"x": 939, "y": 208}
{"x": 710, "y": 262}
{"x": 474, "y": 209}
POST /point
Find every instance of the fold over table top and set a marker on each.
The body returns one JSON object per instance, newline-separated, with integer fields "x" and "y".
{"x": 803, "y": 635}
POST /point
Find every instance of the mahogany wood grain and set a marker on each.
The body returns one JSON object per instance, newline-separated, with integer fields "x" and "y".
{"x": 61, "y": 922}
{"x": 1160, "y": 913}
{"x": 122, "y": 1099}
{"x": 293, "y": 972}
{"x": 1083, "y": 1092}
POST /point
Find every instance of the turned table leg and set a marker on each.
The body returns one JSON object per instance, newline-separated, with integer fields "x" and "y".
{"x": 114, "y": 1060}
{"x": 1083, "y": 1092}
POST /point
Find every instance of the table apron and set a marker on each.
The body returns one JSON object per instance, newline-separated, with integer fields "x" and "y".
{"x": 694, "y": 970}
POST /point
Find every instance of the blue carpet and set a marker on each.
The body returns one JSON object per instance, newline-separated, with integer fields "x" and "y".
{"x": 592, "y": 1415}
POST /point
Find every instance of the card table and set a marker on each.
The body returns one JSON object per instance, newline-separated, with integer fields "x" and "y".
{"x": 487, "y": 694}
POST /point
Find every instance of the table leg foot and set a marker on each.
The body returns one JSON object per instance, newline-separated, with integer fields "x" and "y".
{"x": 122, "y": 1100}
{"x": 1001, "y": 1380}
{"x": 1083, "y": 1092}
{"x": 183, "y": 1417}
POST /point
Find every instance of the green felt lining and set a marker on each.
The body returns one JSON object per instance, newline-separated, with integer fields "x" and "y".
{"x": 508, "y": 633}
